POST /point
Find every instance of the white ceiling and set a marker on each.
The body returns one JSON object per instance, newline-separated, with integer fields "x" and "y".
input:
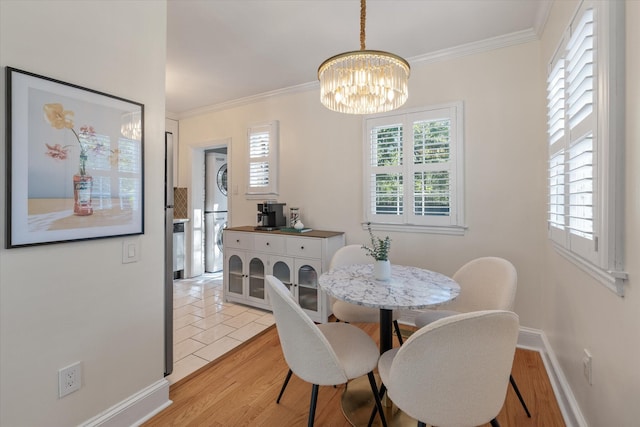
{"x": 225, "y": 50}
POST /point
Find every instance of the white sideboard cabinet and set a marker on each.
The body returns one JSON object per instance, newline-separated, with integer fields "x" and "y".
{"x": 297, "y": 259}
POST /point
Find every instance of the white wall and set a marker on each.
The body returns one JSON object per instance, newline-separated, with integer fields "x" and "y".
{"x": 321, "y": 163}
{"x": 578, "y": 313}
{"x": 73, "y": 302}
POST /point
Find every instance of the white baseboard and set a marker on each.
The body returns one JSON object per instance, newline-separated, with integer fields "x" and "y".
{"x": 148, "y": 402}
{"x": 536, "y": 340}
{"x": 136, "y": 409}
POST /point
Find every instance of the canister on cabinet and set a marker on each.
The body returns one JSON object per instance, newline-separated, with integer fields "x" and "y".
{"x": 294, "y": 216}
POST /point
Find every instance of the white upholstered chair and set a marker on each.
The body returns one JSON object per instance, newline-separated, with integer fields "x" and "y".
{"x": 353, "y": 313}
{"x": 327, "y": 354}
{"x": 487, "y": 283}
{"x": 454, "y": 371}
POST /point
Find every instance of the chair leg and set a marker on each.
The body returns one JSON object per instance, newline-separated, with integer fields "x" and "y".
{"x": 312, "y": 406}
{"x": 374, "y": 389}
{"x": 383, "y": 389}
{"x": 495, "y": 423}
{"x": 515, "y": 388}
{"x": 286, "y": 381}
{"x": 397, "y": 328}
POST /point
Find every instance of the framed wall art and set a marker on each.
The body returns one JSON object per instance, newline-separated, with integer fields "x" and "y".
{"x": 74, "y": 162}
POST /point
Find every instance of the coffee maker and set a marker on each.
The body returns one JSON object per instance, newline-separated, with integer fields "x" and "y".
{"x": 271, "y": 216}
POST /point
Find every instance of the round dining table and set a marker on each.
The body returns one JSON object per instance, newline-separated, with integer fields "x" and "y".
{"x": 408, "y": 288}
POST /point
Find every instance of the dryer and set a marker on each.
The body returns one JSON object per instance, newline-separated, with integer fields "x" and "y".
{"x": 215, "y": 214}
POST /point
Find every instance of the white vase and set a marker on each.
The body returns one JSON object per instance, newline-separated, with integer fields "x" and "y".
{"x": 382, "y": 270}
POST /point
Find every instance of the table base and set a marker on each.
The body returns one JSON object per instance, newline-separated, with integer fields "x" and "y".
{"x": 357, "y": 404}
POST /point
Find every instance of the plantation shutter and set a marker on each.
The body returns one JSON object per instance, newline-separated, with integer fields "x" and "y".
{"x": 432, "y": 167}
{"x": 581, "y": 126}
{"x": 386, "y": 181}
{"x": 586, "y": 121}
{"x": 411, "y": 167}
{"x": 262, "y": 142}
{"x": 571, "y": 125}
{"x": 557, "y": 142}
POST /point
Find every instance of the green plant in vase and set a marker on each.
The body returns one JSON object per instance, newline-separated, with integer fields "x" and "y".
{"x": 379, "y": 248}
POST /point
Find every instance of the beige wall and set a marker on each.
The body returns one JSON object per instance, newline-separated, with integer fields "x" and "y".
{"x": 321, "y": 163}
{"x": 73, "y": 302}
{"x": 579, "y": 313}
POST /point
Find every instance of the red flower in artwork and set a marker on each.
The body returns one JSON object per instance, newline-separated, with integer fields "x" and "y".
{"x": 57, "y": 151}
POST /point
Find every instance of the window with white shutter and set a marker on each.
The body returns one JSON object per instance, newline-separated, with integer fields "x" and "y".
{"x": 413, "y": 170}
{"x": 586, "y": 138}
{"x": 263, "y": 160}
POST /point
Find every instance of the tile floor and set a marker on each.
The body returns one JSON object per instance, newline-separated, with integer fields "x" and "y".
{"x": 205, "y": 327}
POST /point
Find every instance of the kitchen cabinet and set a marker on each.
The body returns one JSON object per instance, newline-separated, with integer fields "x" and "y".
{"x": 296, "y": 260}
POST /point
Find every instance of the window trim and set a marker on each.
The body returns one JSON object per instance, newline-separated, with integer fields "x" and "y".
{"x": 607, "y": 266}
{"x": 455, "y": 225}
{"x": 255, "y": 193}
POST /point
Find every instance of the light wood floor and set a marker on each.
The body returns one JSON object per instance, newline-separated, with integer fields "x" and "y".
{"x": 240, "y": 389}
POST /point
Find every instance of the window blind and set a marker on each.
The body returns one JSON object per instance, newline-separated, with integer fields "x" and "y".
{"x": 580, "y": 70}
{"x": 556, "y": 191}
{"x": 570, "y": 88}
{"x": 258, "y": 151}
{"x": 585, "y": 124}
{"x": 580, "y": 168}
{"x": 555, "y": 102}
{"x": 411, "y": 162}
{"x": 262, "y": 150}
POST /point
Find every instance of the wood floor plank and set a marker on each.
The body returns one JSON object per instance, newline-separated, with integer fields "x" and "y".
{"x": 241, "y": 388}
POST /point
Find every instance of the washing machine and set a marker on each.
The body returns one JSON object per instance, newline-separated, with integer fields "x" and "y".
{"x": 215, "y": 214}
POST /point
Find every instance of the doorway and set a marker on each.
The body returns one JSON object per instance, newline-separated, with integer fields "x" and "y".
{"x": 215, "y": 207}
{"x": 197, "y": 234}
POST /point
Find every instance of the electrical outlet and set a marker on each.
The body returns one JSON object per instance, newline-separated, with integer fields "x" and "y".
{"x": 586, "y": 366}
{"x": 69, "y": 379}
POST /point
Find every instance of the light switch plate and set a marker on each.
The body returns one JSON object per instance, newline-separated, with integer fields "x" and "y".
{"x": 130, "y": 251}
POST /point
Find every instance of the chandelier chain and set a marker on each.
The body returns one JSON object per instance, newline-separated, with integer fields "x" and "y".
{"x": 363, "y": 18}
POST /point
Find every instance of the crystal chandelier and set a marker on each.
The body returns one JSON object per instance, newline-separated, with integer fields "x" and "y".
{"x": 363, "y": 81}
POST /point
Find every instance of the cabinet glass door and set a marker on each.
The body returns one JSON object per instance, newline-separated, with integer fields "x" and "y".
{"x": 234, "y": 273}
{"x": 282, "y": 272}
{"x": 256, "y": 278}
{"x": 308, "y": 287}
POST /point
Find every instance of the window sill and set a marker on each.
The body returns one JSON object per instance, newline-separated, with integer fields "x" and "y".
{"x": 451, "y": 230}
{"x": 261, "y": 196}
{"x": 612, "y": 280}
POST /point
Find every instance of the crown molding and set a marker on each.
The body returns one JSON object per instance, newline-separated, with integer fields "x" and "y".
{"x": 485, "y": 45}
{"x": 473, "y": 48}
{"x": 304, "y": 87}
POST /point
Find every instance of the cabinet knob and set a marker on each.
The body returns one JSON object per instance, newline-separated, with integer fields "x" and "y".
{"x": 267, "y": 243}
{"x": 302, "y": 247}
{"x": 237, "y": 240}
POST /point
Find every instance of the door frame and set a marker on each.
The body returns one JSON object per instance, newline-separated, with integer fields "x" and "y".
{"x": 194, "y": 236}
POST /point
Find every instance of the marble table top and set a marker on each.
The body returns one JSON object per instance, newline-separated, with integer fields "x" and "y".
{"x": 408, "y": 288}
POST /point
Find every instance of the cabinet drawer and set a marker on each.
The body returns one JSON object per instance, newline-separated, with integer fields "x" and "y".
{"x": 301, "y": 247}
{"x": 237, "y": 240}
{"x": 267, "y": 243}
